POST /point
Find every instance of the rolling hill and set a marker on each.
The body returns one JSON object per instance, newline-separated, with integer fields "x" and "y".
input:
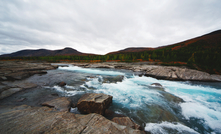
{"x": 44, "y": 52}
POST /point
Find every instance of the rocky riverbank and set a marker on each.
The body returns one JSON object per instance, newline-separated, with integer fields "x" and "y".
{"x": 53, "y": 116}
{"x": 159, "y": 72}
{"x": 13, "y": 72}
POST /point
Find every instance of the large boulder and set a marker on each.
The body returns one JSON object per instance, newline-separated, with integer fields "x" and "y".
{"x": 61, "y": 104}
{"x": 26, "y": 119}
{"x": 94, "y": 103}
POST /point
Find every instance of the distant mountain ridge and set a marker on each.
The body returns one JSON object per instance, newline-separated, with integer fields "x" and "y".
{"x": 45, "y": 52}
{"x": 210, "y": 40}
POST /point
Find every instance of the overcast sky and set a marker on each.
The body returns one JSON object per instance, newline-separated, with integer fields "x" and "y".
{"x": 102, "y": 26}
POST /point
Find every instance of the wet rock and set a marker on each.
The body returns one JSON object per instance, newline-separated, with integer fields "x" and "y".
{"x": 126, "y": 121}
{"x": 61, "y": 104}
{"x": 22, "y": 99}
{"x": 113, "y": 79}
{"x": 54, "y": 94}
{"x": 158, "y": 113}
{"x": 9, "y": 92}
{"x": 25, "y": 119}
{"x": 172, "y": 98}
{"x": 94, "y": 103}
{"x": 109, "y": 113}
{"x": 157, "y": 85}
{"x": 61, "y": 84}
{"x": 73, "y": 105}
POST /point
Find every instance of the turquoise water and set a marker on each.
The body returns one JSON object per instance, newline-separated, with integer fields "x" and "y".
{"x": 135, "y": 97}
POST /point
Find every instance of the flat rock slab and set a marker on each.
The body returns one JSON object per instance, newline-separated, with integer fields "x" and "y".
{"x": 17, "y": 70}
{"x": 47, "y": 120}
{"x": 94, "y": 103}
{"x": 126, "y": 121}
{"x": 9, "y": 92}
{"x": 61, "y": 104}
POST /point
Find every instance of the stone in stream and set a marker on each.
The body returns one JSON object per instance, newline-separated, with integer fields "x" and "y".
{"x": 61, "y": 84}
{"x": 94, "y": 103}
{"x": 26, "y": 119}
{"x": 172, "y": 98}
{"x": 61, "y": 104}
{"x": 158, "y": 113}
{"x": 113, "y": 79}
{"x": 157, "y": 85}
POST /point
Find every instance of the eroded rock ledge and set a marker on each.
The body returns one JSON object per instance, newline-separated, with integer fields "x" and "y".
{"x": 17, "y": 70}
{"x": 159, "y": 72}
{"x": 26, "y": 119}
{"x": 13, "y": 72}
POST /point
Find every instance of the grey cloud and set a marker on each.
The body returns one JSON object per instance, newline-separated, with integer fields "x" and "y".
{"x": 102, "y": 26}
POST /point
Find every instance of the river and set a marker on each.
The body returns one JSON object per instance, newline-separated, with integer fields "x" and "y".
{"x": 158, "y": 110}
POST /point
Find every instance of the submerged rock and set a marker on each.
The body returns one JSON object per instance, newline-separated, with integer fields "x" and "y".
{"x": 172, "y": 98}
{"x": 61, "y": 104}
{"x": 61, "y": 84}
{"x": 94, "y": 103}
{"x": 158, "y": 113}
{"x": 113, "y": 79}
{"x": 26, "y": 119}
{"x": 157, "y": 85}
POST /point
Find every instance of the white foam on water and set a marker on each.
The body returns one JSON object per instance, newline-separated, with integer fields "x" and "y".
{"x": 66, "y": 92}
{"x": 163, "y": 128}
{"x": 126, "y": 92}
{"x": 90, "y": 71}
{"x": 211, "y": 117}
{"x": 201, "y": 102}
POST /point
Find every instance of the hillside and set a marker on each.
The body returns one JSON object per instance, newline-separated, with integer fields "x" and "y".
{"x": 44, "y": 52}
{"x": 202, "y": 53}
{"x": 132, "y": 49}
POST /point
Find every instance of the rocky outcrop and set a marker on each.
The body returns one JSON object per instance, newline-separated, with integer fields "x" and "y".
{"x": 10, "y": 88}
{"x": 94, "y": 103}
{"x": 126, "y": 121}
{"x": 157, "y": 71}
{"x": 16, "y": 70}
{"x": 177, "y": 73}
{"x": 13, "y": 73}
{"x": 61, "y": 104}
{"x": 26, "y": 119}
{"x": 9, "y": 92}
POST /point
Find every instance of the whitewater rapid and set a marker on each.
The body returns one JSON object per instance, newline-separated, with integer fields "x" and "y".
{"x": 200, "y": 113}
